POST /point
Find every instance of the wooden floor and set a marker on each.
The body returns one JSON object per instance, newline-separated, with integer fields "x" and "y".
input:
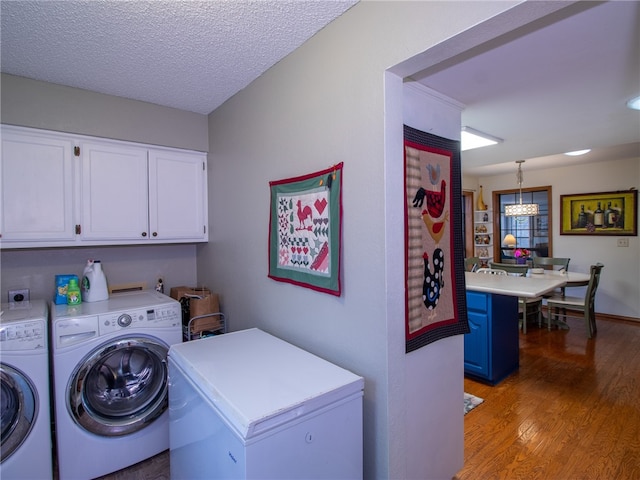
{"x": 572, "y": 411}
{"x": 154, "y": 468}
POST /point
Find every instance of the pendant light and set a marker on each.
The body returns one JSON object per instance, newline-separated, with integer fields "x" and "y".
{"x": 521, "y": 209}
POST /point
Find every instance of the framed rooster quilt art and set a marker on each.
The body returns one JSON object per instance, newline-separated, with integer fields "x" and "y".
{"x": 435, "y": 297}
{"x": 305, "y": 230}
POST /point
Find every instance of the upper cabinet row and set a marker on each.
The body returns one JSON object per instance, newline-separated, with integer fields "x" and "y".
{"x": 69, "y": 190}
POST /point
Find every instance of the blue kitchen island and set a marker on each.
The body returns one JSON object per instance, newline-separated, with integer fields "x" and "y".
{"x": 491, "y": 348}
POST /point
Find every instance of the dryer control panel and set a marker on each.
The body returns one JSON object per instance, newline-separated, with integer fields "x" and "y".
{"x": 140, "y": 318}
{"x": 29, "y": 335}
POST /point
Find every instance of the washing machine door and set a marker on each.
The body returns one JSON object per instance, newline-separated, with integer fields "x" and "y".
{"x": 18, "y": 409}
{"x": 120, "y": 387}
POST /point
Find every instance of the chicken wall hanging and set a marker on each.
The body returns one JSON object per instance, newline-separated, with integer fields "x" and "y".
{"x": 434, "y": 272}
{"x": 305, "y": 227}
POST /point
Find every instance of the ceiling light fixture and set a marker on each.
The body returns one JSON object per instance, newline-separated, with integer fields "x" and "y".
{"x": 521, "y": 209}
{"x": 472, "y": 138}
{"x": 577, "y": 153}
{"x": 634, "y": 103}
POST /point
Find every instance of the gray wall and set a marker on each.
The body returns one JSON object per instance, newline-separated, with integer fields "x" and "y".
{"x": 324, "y": 104}
{"x": 31, "y": 103}
{"x": 36, "y": 268}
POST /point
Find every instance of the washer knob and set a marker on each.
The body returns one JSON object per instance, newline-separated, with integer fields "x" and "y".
{"x": 124, "y": 320}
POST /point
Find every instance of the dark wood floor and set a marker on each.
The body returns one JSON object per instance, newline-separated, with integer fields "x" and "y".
{"x": 154, "y": 468}
{"x": 572, "y": 411}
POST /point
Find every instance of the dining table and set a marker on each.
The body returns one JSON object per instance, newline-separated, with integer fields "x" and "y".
{"x": 572, "y": 279}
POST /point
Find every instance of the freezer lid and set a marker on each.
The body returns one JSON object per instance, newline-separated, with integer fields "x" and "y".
{"x": 257, "y": 381}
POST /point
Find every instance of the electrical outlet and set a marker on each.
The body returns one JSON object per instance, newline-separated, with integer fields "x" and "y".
{"x": 19, "y": 295}
{"x": 623, "y": 242}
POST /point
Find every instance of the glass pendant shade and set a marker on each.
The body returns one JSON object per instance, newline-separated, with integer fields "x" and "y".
{"x": 521, "y": 209}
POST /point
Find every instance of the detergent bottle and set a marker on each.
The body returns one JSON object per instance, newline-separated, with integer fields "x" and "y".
{"x": 94, "y": 282}
{"x": 73, "y": 292}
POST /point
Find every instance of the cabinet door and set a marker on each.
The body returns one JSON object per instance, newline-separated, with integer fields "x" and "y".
{"x": 177, "y": 198}
{"x": 114, "y": 192}
{"x": 476, "y": 345}
{"x": 37, "y": 187}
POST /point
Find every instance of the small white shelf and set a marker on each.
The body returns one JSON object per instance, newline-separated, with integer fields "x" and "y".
{"x": 483, "y": 235}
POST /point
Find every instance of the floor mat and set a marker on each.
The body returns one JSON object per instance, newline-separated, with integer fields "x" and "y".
{"x": 471, "y": 402}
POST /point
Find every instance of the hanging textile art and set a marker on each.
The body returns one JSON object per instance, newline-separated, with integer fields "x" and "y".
{"x": 305, "y": 227}
{"x": 435, "y": 299}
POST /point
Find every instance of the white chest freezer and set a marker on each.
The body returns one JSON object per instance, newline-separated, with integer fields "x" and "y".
{"x": 249, "y": 405}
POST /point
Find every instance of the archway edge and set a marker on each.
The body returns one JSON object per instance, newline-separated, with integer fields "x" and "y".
{"x": 503, "y": 28}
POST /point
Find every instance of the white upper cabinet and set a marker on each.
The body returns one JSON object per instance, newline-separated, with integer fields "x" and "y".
{"x": 66, "y": 190}
{"x": 115, "y": 200}
{"x": 177, "y": 195}
{"x": 37, "y": 187}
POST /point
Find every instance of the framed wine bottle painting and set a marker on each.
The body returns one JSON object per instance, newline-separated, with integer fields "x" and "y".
{"x": 606, "y": 213}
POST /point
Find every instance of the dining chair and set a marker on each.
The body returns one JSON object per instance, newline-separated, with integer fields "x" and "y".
{"x": 491, "y": 271}
{"x": 551, "y": 263}
{"x": 555, "y": 264}
{"x": 528, "y": 306}
{"x": 585, "y": 304}
{"x": 471, "y": 264}
{"x": 521, "y": 270}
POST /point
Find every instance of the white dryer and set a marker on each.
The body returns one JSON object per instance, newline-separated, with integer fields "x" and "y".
{"x": 109, "y": 363}
{"x": 25, "y": 451}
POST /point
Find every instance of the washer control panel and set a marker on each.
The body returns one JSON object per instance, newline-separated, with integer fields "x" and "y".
{"x": 139, "y": 318}
{"x": 125, "y": 320}
{"x": 29, "y": 335}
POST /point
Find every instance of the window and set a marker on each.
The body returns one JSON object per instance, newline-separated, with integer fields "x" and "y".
{"x": 532, "y": 233}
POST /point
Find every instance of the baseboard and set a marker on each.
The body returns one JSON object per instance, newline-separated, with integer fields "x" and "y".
{"x": 603, "y": 316}
{"x": 617, "y": 318}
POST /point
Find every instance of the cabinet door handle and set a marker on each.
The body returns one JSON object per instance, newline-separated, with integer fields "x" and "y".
{"x": 144, "y": 234}
{"x": 155, "y": 234}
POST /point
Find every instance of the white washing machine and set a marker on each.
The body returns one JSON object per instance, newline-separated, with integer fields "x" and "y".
{"x": 24, "y": 397}
{"x": 109, "y": 363}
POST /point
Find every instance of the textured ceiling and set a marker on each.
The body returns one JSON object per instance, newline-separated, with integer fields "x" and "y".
{"x": 191, "y": 55}
{"x": 559, "y": 84}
